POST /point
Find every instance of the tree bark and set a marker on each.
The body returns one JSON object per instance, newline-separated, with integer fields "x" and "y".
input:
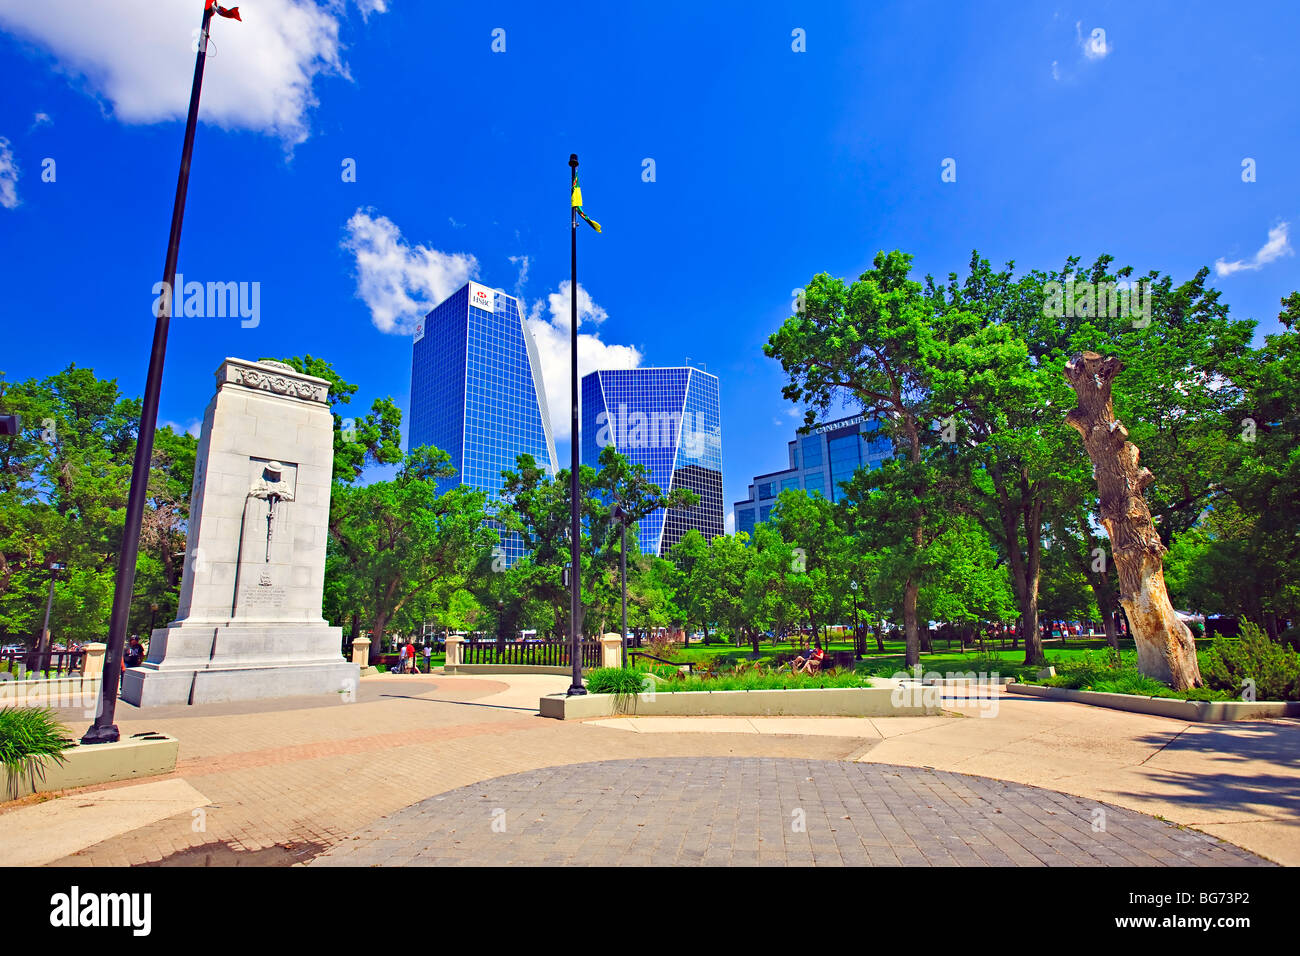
{"x": 911, "y": 632}
{"x": 1024, "y": 566}
{"x": 1166, "y": 650}
{"x": 1106, "y": 605}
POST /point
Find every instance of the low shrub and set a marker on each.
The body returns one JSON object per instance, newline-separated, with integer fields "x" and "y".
{"x": 1085, "y": 672}
{"x": 28, "y": 737}
{"x": 615, "y": 680}
{"x": 1274, "y": 668}
{"x": 661, "y": 645}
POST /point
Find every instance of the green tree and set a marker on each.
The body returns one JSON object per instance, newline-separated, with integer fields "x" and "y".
{"x": 372, "y": 439}
{"x": 63, "y": 487}
{"x": 400, "y": 539}
{"x": 876, "y": 343}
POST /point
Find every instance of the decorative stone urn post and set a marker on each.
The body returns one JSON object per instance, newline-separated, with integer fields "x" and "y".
{"x": 611, "y": 650}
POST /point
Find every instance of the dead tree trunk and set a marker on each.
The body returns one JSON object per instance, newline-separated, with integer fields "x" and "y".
{"x": 1166, "y": 649}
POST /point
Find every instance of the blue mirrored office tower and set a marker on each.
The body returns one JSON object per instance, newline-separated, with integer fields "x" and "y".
{"x": 476, "y": 391}
{"x": 821, "y": 462}
{"x": 668, "y": 420}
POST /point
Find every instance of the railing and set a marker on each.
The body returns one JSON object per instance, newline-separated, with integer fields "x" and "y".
{"x": 50, "y": 662}
{"x": 687, "y": 664}
{"x": 527, "y": 653}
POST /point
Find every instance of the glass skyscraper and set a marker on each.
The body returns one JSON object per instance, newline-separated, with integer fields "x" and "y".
{"x": 668, "y": 420}
{"x": 819, "y": 462}
{"x": 476, "y": 391}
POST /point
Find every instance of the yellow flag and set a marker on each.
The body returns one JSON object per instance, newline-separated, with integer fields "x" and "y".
{"x": 576, "y": 203}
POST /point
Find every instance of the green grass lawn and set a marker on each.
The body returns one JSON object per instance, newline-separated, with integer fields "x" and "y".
{"x": 669, "y": 681}
{"x": 942, "y": 659}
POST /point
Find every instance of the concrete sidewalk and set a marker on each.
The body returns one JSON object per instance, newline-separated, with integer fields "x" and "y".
{"x": 309, "y": 772}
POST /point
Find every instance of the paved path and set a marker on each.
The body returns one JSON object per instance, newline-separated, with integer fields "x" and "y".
{"x": 281, "y": 782}
{"x": 729, "y": 811}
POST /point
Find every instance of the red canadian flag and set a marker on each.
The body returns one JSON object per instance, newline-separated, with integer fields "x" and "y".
{"x": 231, "y": 13}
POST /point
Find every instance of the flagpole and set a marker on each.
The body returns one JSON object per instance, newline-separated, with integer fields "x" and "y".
{"x": 575, "y": 526}
{"x": 104, "y": 730}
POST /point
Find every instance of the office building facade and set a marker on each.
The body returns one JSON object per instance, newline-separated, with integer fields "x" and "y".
{"x": 819, "y": 462}
{"x": 667, "y": 419}
{"x": 477, "y": 393}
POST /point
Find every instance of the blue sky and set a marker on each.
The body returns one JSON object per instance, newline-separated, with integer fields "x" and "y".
{"x": 770, "y": 165}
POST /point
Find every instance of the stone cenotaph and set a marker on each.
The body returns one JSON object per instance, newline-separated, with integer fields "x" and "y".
{"x": 249, "y": 623}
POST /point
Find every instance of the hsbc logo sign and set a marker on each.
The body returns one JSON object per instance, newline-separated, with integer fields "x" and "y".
{"x": 481, "y": 297}
{"x": 419, "y": 330}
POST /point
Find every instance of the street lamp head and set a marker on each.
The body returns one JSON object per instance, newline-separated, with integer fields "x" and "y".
{"x": 573, "y": 160}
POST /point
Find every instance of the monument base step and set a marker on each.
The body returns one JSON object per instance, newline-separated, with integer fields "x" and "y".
{"x": 145, "y": 687}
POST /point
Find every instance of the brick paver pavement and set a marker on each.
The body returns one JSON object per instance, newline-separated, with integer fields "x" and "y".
{"x": 288, "y": 780}
{"x": 313, "y": 775}
{"x": 688, "y": 811}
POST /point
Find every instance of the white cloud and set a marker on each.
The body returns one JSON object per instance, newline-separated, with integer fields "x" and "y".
{"x": 730, "y": 523}
{"x": 1056, "y": 71}
{"x": 367, "y": 7}
{"x": 522, "y": 262}
{"x": 1095, "y": 45}
{"x": 549, "y": 324}
{"x": 139, "y": 56}
{"x": 41, "y": 119}
{"x": 1276, "y": 247}
{"x": 398, "y": 282}
{"x": 193, "y": 428}
{"x": 8, "y": 176}
{"x": 560, "y": 305}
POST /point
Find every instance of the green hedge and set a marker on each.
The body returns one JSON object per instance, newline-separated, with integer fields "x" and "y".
{"x": 1274, "y": 668}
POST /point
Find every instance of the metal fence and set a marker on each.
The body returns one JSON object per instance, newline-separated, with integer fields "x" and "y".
{"x": 539, "y": 653}
{"x": 51, "y": 663}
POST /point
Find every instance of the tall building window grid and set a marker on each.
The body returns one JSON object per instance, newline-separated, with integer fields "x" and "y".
{"x": 819, "y": 463}
{"x": 672, "y": 401}
{"x": 473, "y": 394}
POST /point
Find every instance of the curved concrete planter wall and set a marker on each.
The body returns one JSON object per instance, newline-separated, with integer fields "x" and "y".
{"x": 1207, "y": 711}
{"x": 885, "y": 698}
{"x": 144, "y": 755}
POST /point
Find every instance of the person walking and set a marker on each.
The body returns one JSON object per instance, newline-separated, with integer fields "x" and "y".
{"x": 428, "y": 651}
{"x": 410, "y": 657}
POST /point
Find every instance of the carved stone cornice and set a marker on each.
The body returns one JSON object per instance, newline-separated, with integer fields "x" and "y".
{"x": 274, "y": 377}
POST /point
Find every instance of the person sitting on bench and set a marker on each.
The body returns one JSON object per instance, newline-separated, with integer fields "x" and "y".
{"x": 810, "y": 664}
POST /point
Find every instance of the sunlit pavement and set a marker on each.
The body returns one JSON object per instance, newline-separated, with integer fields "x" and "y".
{"x": 286, "y": 781}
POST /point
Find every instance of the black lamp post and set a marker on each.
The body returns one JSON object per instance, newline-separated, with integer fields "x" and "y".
{"x": 501, "y": 631}
{"x": 103, "y": 730}
{"x": 44, "y": 649}
{"x": 621, "y": 517}
{"x": 859, "y": 645}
